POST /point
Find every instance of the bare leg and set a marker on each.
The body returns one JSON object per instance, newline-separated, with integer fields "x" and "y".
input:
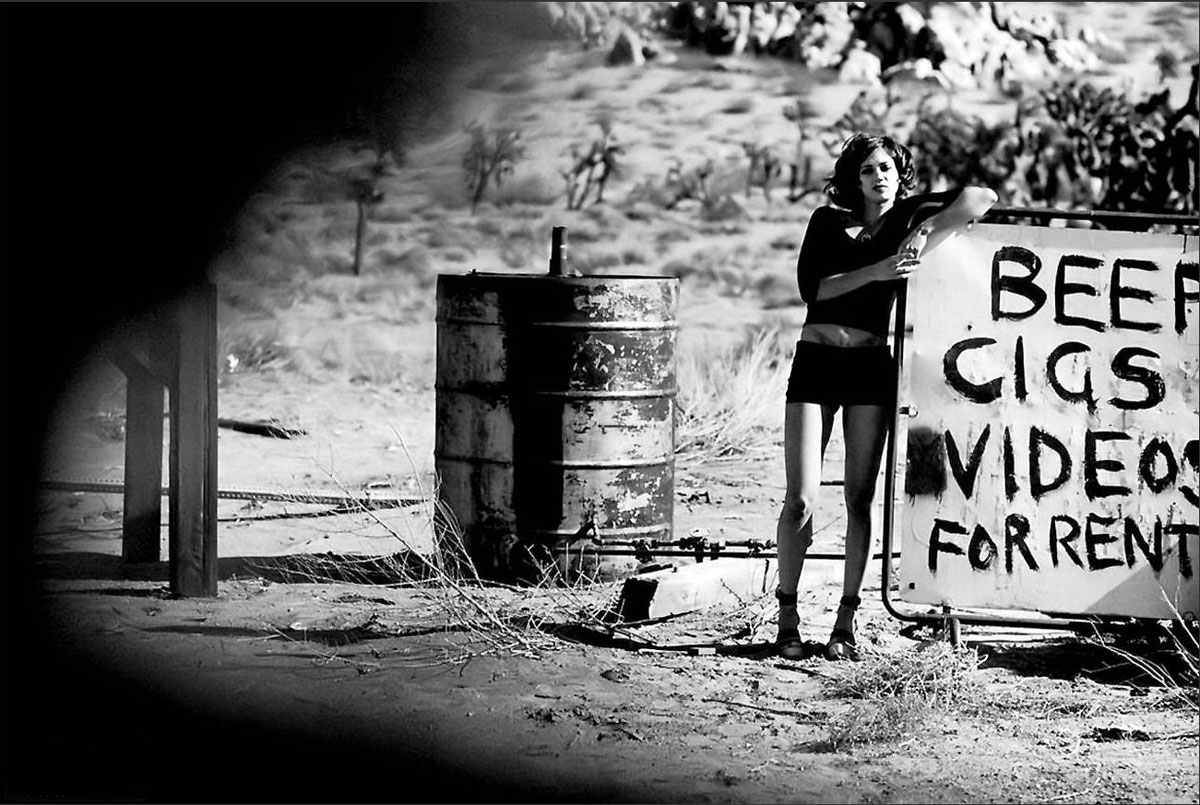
{"x": 865, "y": 428}
{"x": 806, "y": 430}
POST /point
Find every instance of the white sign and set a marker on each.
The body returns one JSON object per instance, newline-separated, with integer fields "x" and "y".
{"x": 1052, "y": 462}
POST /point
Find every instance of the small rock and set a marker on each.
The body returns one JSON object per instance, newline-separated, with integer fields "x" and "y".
{"x": 656, "y": 53}
{"x": 615, "y": 675}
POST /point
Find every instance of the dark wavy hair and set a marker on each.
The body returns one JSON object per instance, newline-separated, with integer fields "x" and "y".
{"x": 843, "y": 187}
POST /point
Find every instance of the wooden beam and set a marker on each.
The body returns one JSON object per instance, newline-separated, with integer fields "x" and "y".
{"x": 129, "y": 362}
{"x": 193, "y": 462}
{"x": 141, "y": 349}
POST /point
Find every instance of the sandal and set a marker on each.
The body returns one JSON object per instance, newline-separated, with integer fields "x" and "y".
{"x": 789, "y": 644}
{"x": 842, "y": 645}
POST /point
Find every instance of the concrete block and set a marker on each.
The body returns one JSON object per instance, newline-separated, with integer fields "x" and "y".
{"x": 692, "y": 587}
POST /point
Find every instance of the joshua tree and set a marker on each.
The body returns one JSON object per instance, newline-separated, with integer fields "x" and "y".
{"x": 385, "y": 123}
{"x": 601, "y": 156}
{"x": 490, "y": 157}
{"x": 365, "y": 193}
{"x": 765, "y": 168}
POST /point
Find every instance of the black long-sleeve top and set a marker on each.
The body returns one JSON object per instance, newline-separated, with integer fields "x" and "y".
{"x": 828, "y": 250}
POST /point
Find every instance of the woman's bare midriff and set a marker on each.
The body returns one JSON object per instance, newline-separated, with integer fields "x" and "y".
{"x": 839, "y": 335}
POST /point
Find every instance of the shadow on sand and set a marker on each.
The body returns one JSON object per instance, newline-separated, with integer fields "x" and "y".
{"x": 291, "y": 568}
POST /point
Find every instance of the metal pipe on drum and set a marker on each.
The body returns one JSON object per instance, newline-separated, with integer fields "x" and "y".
{"x": 558, "y": 250}
{"x": 603, "y": 551}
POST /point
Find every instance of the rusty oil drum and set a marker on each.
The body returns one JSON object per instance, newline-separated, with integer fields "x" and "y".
{"x": 555, "y": 419}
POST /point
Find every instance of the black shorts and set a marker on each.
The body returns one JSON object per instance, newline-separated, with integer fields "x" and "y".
{"x": 842, "y": 375}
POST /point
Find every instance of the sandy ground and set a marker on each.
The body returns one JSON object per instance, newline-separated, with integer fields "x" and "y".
{"x": 283, "y": 683}
{"x": 285, "y": 689}
{"x": 357, "y": 692}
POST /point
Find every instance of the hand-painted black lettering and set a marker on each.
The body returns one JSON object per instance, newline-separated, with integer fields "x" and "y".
{"x": 1063, "y": 289}
{"x": 1019, "y": 369}
{"x": 1056, "y": 355}
{"x": 925, "y": 473}
{"x": 1016, "y": 531}
{"x": 1118, "y": 291}
{"x": 986, "y": 393}
{"x": 982, "y": 550}
{"x": 1191, "y": 454}
{"x": 1094, "y": 539}
{"x": 937, "y": 545}
{"x": 1147, "y": 466}
{"x": 1073, "y": 531}
{"x": 1021, "y": 286}
{"x": 1010, "y": 468}
{"x": 965, "y": 476}
{"x": 1184, "y": 530}
{"x": 1152, "y": 381}
{"x": 1037, "y": 439}
{"x": 1134, "y": 535}
{"x": 1092, "y": 465}
{"x": 1184, "y": 273}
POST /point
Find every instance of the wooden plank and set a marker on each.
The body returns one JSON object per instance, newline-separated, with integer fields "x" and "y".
{"x": 193, "y": 462}
{"x": 692, "y": 587}
{"x": 211, "y": 375}
{"x": 270, "y": 427}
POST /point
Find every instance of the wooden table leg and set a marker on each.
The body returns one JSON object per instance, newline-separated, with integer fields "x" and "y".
{"x": 193, "y": 452}
{"x": 143, "y": 467}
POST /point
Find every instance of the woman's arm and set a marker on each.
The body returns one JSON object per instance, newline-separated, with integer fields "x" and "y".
{"x": 820, "y": 249}
{"x": 971, "y": 203}
{"x": 894, "y": 267}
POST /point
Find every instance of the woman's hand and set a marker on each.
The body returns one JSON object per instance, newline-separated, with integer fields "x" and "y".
{"x": 914, "y": 244}
{"x": 897, "y": 267}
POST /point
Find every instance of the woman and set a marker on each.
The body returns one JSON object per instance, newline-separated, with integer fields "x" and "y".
{"x": 852, "y": 259}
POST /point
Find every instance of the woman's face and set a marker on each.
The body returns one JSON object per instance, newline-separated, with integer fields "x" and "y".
{"x": 878, "y": 178}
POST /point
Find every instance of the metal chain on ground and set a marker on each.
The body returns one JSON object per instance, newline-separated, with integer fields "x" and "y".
{"x": 116, "y": 487}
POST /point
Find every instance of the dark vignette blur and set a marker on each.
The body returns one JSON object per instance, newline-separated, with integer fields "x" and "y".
{"x": 131, "y": 136}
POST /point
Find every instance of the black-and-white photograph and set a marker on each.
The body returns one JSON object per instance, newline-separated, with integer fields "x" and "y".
{"x": 724, "y": 402}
